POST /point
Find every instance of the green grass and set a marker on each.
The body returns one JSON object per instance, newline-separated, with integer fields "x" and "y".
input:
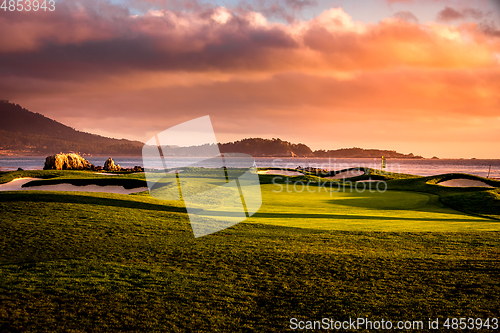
{"x": 477, "y": 201}
{"x": 97, "y": 262}
{"x": 400, "y": 211}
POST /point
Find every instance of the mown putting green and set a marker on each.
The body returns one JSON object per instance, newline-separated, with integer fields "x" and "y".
{"x": 322, "y": 208}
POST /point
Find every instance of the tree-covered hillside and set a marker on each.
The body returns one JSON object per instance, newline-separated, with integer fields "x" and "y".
{"x": 25, "y": 132}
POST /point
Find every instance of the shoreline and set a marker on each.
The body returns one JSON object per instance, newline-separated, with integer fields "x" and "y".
{"x": 276, "y": 157}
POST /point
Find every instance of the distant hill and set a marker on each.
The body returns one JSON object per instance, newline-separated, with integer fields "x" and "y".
{"x": 264, "y": 147}
{"x": 362, "y": 153}
{"x": 278, "y": 148}
{"x": 23, "y": 132}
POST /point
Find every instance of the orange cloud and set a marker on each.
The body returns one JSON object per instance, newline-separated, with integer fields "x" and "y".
{"x": 114, "y": 72}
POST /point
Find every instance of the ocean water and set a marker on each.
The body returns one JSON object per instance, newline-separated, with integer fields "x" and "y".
{"x": 422, "y": 167}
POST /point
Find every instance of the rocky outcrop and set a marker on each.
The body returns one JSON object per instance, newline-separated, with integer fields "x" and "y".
{"x": 109, "y": 165}
{"x": 137, "y": 168}
{"x": 66, "y": 162}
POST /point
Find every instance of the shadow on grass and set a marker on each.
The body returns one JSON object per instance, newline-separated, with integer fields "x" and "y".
{"x": 432, "y": 205}
{"x": 94, "y": 199}
{"x": 359, "y": 217}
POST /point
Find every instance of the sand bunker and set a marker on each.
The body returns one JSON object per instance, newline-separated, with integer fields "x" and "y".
{"x": 461, "y": 182}
{"x": 280, "y": 172}
{"x": 347, "y": 174}
{"x": 108, "y": 174}
{"x": 16, "y": 185}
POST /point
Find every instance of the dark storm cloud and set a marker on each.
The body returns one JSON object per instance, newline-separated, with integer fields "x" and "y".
{"x": 450, "y": 14}
{"x": 57, "y": 46}
{"x": 407, "y": 16}
{"x": 287, "y": 10}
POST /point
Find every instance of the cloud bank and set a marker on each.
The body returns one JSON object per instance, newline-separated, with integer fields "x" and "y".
{"x": 99, "y": 68}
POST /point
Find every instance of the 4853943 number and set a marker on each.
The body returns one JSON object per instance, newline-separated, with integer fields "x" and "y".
{"x": 471, "y": 323}
{"x": 28, "y": 5}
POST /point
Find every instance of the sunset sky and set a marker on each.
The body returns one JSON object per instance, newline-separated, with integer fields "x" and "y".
{"x": 419, "y": 76}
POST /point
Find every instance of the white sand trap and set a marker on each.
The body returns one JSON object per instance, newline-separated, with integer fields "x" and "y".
{"x": 280, "y": 172}
{"x": 369, "y": 181}
{"x": 112, "y": 174}
{"x": 108, "y": 174}
{"x": 16, "y": 185}
{"x": 347, "y": 174}
{"x": 461, "y": 182}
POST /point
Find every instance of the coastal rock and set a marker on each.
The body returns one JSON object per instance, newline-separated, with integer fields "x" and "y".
{"x": 109, "y": 165}
{"x": 66, "y": 162}
{"x": 138, "y": 168}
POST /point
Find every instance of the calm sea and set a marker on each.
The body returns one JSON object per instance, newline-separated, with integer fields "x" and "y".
{"x": 425, "y": 167}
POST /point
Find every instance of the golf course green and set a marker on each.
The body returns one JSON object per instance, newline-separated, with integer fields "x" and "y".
{"x": 102, "y": 262}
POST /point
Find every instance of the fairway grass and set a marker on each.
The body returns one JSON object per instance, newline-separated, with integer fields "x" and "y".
{"x": 99, "y": 262}
{"x": 393, "y": 211}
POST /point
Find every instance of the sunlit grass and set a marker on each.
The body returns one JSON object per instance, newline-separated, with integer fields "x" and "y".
{"x": 98, "y": 262}
{"x": 323, "y": 208}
